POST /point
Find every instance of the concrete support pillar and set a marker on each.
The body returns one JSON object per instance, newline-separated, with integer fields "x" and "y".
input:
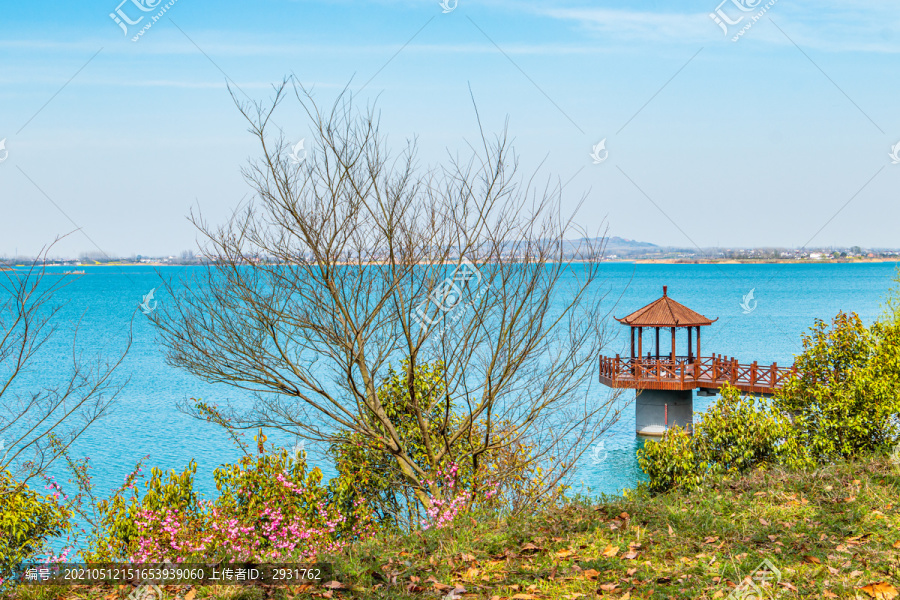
{"x": 652, "y": 407}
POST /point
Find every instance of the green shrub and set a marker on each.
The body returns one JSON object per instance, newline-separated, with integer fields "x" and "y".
{"x": 735, "y": 435}
{"x": 845, "y": 401}
{"x": 268, "y": 509}
{"x": 503, "y": 474}
{"x": 28, "y": 520}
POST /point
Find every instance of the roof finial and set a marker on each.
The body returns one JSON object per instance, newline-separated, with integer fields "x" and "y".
{"x": 665, "y": 288}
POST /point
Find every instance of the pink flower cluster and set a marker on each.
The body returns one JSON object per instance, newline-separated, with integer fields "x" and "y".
{"x": 451, "y": 500}
{"x": 275, "y": 531}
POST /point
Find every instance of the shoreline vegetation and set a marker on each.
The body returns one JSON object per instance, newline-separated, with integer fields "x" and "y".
{"x": 832, "y": 532}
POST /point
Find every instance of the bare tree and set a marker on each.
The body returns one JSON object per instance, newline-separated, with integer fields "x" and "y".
{"x": 373, "y": 260}
{"x": 37, "y": 424}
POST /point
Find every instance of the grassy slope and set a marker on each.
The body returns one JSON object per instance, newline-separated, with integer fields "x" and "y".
{"x": 831, "y": 533}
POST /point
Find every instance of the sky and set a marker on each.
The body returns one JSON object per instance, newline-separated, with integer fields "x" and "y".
{"x": 781, "y": 135}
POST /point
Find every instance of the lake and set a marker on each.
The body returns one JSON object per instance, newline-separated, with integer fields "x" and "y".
{"x": 103, "y": 302}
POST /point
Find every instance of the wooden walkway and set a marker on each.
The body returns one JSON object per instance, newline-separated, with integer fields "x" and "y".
{"x": 691, "y": 373}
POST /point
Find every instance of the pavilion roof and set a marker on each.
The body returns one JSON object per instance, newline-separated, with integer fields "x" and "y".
{"x": 665, "y": 312}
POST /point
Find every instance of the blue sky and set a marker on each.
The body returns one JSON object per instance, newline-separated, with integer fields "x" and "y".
{"x": 779, "y": 138}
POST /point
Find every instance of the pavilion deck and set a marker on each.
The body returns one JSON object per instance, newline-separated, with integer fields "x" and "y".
{"x": 689, "y": 373}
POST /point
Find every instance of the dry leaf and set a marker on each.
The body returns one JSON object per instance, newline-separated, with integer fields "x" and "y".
{"x": 827, "y": 594}
{"x": 671, "y": 532}
{"x": 611, "y": 550}
{"x": 631, "y": 555}
{"x": 896, "y": 545}
{"x": 881, "y": 591}
{"x": 608, "y": 587}
{"x": 471, "y": 573}
{"x": 564, "y": 553}
{"x": 812, "y": 559}
{"x": 335, "y": 585}
{"x": 524, "y": 597}
{"x": 190, "y": 595}
{"x": 763, "y": 521}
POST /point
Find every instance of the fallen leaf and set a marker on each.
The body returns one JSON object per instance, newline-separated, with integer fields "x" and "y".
{"x": 631, "y": 572}
{"x": 471, "y": 573}
{"x": 671, "y": 533}
{"x": 631, "y": 555}
{"x": 564, "y": 553}
{"x": 467, "y": 557}
{"x": 881, "y": 591}
{"x": 788, "y": 586}
{"x": 608, "y": 587}
{"x": 763, "y": 521}
{"x": 524, "y": 597}
{"x": 611, "y": 550}
{"x": 812, "y": 559}
{"x": 335, "y": 585}
{"x": 827, "y": 594}
{"x": 591, "y": 573}
{"x": 896, "y": 545}
{"x": 711, "y": 539}
{"x": 190, "y": 595}
{"x": 529, "y": 547}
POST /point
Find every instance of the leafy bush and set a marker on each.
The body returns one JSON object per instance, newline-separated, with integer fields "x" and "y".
{"x": 503, "y": 475}
{"x": 845, "y": 401}
{"x": 28, "y": 520}
{"x": 735, "y": 435}
{"x": 268, "y": 509}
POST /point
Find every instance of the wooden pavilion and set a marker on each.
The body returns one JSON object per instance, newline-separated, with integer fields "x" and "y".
{"x": 665, "y": 380}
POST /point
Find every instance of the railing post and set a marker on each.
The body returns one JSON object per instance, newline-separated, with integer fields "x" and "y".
{"x": 753, "y": 373}
{"x": 774, "y": 372}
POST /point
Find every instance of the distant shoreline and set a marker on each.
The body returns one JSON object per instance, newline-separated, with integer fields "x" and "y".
{"x": 638, "y": 261}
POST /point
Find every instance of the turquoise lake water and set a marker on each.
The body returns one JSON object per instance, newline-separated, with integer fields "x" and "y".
{"x": 789, "y": 297}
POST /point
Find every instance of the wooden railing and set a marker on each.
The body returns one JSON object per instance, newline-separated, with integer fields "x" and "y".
{"x": 688, "y": 373}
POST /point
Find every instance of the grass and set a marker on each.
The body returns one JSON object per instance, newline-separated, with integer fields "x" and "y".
{"x": 831, "y": 533}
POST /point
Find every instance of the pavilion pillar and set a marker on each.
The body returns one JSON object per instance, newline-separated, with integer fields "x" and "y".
{"x": 641, "y": 342}
{"x": 632, "y": 343}
{"x": 698, "y": 342}
{"x": 673, "y": 345}
{"x": 690, "y": 345}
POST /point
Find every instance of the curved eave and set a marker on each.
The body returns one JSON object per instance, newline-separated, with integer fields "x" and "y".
{"x": 631, "y": 324}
